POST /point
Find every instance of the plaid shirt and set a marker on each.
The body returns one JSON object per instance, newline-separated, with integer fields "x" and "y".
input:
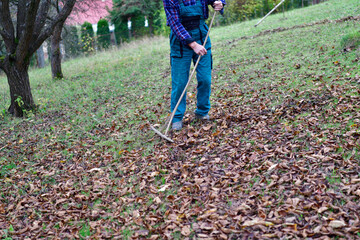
{"x": 172, "y": 11}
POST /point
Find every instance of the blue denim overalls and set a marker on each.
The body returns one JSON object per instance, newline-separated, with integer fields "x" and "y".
{"x": 181, "y": 57}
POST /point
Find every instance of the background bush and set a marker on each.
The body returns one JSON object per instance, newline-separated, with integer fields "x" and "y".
{"x": 71, "y": 42}
{"x": 87, "y": 38}
{"x": 103, "y": 34}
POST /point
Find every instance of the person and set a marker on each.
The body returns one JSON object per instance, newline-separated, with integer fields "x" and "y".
{"x": 186, "y": 19}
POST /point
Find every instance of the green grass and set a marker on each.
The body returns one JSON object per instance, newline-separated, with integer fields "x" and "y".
{"x": 85, "y": 231}
{"x": 330, "y": 10}
{"x": 89, "y": 143}
{"x": 351, "y": 40}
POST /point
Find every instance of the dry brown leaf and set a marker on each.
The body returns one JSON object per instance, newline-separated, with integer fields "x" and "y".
{"x": 337, "y": 224}
{"x": 207, "y": 127}
{"x": 186, "y": 231}
{"x": 322, "y": 209}
{"x": 254, "y": 222}
{"x": 154, "y": 237}
{"x": 163, "y": 188}
{"x": 95, "y": 169}
{"x": 270, "y": 235}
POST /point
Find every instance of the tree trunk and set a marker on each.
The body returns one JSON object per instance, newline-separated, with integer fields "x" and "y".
{"x": 151, "y": 25}
{"x": 40, "y": 57}
{"x": 20, "y": 91}
{"x": 56, "y": 52}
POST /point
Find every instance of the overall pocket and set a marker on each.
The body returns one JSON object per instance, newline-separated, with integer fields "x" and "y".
{"x": 176, "y": 47}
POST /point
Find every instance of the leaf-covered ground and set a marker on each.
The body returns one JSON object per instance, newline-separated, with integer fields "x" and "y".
{"x": 280, "y": 157}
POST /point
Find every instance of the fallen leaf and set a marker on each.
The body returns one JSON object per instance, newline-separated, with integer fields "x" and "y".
{"x": 186, "y": 231}
{"x": 157, "y": 200}
{"x": 143, "y": 232}
{"x": 337, "y": 224}
{"x": 163, "y": 188}
{"x": 254, "y": 222}
{"x": 94, "y": 169}
{"x": 322, "y": 209}
{"x": 207, "y": 128}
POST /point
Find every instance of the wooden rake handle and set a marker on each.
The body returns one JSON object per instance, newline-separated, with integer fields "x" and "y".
{"x": 188, "y": 82}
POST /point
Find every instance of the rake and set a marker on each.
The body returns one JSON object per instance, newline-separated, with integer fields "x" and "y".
{"x": 183, "y": 93}
{"x": 269, "y": 13}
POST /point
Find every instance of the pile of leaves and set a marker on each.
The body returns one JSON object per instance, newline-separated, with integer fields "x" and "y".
{"x": 271, "y": 163}
{"x": 249, "y": 172}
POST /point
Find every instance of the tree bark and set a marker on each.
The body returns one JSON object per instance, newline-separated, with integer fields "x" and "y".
{"x": 151, "y": 25}
{"x": 56, "y": 52}
{"x": 20, "y": 91}
{"x": 40, "y": 57}
{"x": 23, "y": 30}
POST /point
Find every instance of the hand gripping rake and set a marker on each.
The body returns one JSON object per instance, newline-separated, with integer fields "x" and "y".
{"x": 183, "y": 93}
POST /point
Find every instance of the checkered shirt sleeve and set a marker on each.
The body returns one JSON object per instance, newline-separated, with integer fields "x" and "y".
{"x": 172, "y": 11}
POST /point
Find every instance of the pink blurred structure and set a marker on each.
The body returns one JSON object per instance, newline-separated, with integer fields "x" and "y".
{"x": 89, "y": 11}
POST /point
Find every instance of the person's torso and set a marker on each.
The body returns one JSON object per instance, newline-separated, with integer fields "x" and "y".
{"x": 189, "y": 8}
{"x": 191, "y": 13}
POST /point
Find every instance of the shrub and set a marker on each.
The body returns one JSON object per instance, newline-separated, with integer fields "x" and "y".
{"x": 71, "y": 41}
{"x": 351, "y": 41}
{"x": 121, "y": 32}
{"x": 87, "y": 37}
{"x": 103, "y": 33}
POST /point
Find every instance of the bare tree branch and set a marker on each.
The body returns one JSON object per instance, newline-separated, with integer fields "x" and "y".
{"x": 26, "y": 35}
{"x": 21, "y": 16}
{"x": 41, "y": 17}
{"x": 61, "y": 17}
{"x": 7, "y": 28}
{"x": 2, "y": 58}
{"x": 2, "y": 53}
